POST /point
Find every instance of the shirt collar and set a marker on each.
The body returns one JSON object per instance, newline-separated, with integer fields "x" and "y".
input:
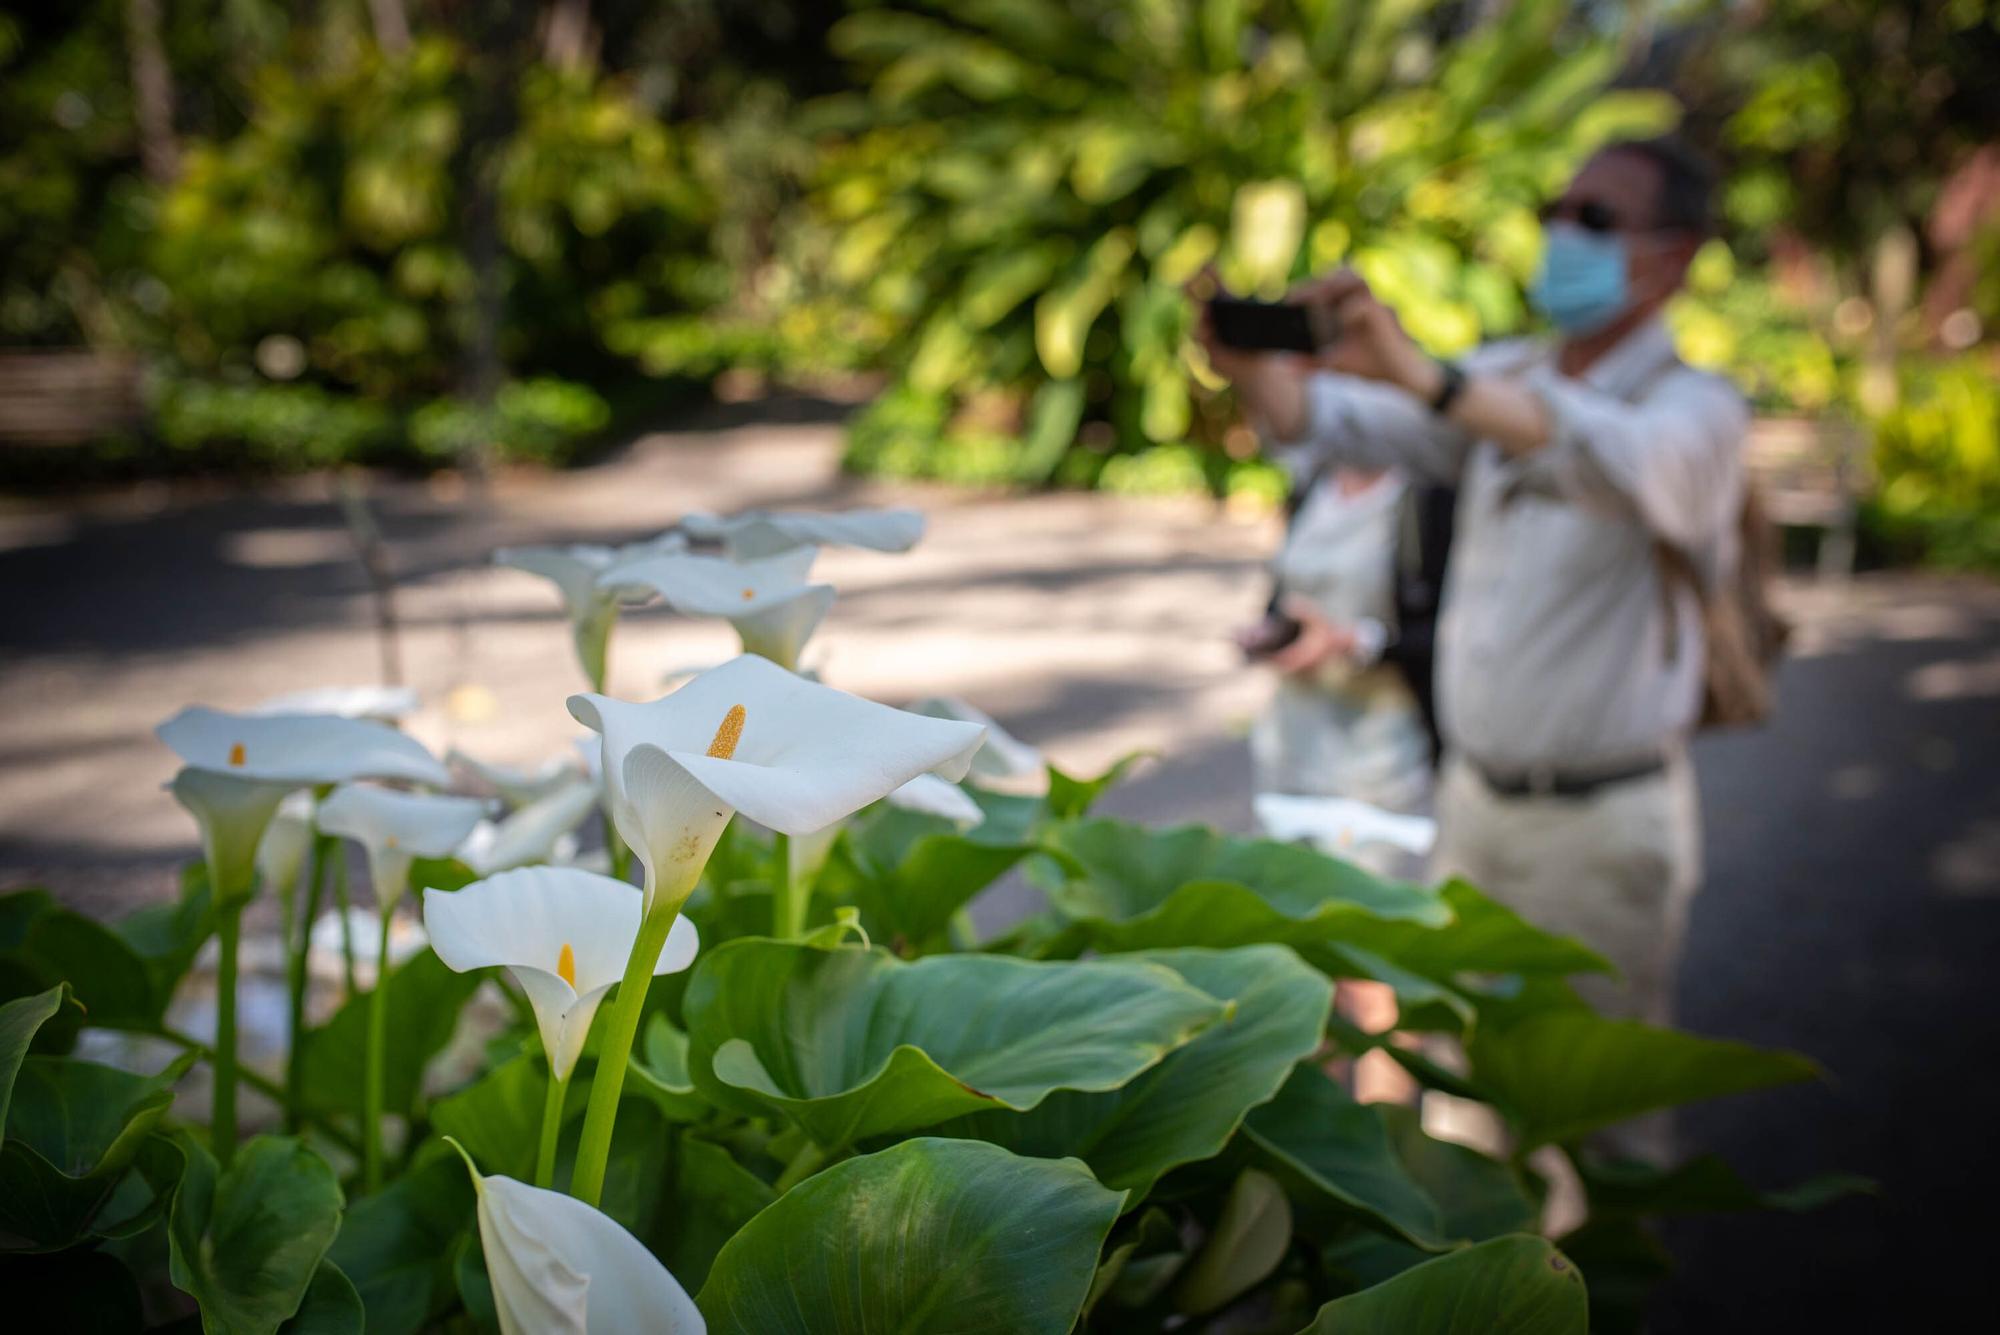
{"x": 1633, "y": 360}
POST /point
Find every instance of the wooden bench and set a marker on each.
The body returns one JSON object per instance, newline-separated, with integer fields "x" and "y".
{"x": 67, "y": 396}
{"x": 1811, "y": 473}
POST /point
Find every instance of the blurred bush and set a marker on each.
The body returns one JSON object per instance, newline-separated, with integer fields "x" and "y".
{"x": 1023, "y": 186}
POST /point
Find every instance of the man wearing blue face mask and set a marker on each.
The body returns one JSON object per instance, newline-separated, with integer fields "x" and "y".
{"x": 1570, "y": 662}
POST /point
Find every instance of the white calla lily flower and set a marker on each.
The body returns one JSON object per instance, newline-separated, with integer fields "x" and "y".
{"x": 232, "y": 814}
{"x": 518, "y": 786}
{"x": 1004, "y": 757}
{"x": 298, "y": 749}
{"x": 535, "y": 833}
{"x": 770, "y": 602}
{"x": 563, "y": 933}
{"x": 789, "y": 753}
{"x": 395, "y": 829}
{"x": 281, "y": 853}
{"x": 1341, "y": 825}
{"x": 560, "y": 1267}
{"x": 383, "y": 704}
{"x": 592, "y": 607}
{"x": 932, "y": 796}
{"x": 757, "y": 533}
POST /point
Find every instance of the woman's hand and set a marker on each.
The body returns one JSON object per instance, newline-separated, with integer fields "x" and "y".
{"x": 1319, "y": 641}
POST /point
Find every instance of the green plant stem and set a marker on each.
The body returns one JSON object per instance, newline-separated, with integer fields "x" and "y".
{"x": 552, "y": 1111}
{"x": 593, "y": 1149}
{"x": 788, "y": 900}
{"x": 346, "y": 919}
{"x": 809, "y": 1160}
{"x": 298, "y": 953}
{"x": 270, "y": 1089}
{"x": 371, "y": 1083}
{"x": 222, "y": 1121}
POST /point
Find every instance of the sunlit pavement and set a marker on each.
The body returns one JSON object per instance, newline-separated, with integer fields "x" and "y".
{"x": 1853, "y": 899}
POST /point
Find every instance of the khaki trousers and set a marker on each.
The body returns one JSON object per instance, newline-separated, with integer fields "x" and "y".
{"x": 1616, "y": 870}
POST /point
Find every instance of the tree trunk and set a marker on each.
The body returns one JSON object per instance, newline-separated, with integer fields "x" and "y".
{"x": 392, "y": 25}
{"x": 152, "y": 91}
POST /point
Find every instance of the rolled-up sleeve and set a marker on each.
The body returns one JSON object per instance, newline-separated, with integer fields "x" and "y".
{"x": 1368, "y": 425}
{"x": 1672, "y": 461}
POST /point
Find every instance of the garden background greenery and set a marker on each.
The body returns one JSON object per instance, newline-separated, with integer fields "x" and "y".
{"x": 431, "y": 233}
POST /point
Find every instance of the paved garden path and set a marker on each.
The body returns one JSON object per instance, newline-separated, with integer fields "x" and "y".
{"x": 1853, "y": 906}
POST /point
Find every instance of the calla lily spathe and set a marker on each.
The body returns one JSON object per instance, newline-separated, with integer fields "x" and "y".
{"x": 789, "y": 753}
{"x": 519, "y": 786}
{"x": 592, "y": 605}
{"x": 560, "y": 1267}
{"x": 771, "y": 602}
{"x": 383, "y": 704}
{"x": 538, "y": 832}
{"x": 932, "y": 796}
{"x": 397, "y": 828}
{"x": 281, "y": 853}
{"x": 298, "y": 749}
{"x": 758, "y": 533}
{"x": 565, "y": 935}
{"x": 1005, "y": 759}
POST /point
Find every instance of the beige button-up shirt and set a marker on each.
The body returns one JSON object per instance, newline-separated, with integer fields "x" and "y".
{"x": 1553, "y": 648}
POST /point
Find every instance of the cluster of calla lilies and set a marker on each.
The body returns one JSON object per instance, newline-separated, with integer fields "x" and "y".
{"x": 274, "y": 789}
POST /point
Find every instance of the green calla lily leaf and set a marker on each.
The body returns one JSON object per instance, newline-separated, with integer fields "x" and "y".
{"x": 498, "y": 1117}
{"x": 1702, "y": 1185}
{"x": 398, "y": 1245}
{"x": 20, "y": 1020}
{"x": 1249, "y": 1239}
{"x": 1129, "y": 888}
{"x": 73, "y": 1129}
{"x": 926, "y": 1235}
{"x": 853, "y": 1042}
{"x": 167, "y": 937}
{"x": 42, "y": 944}
{"x": 706, "y": 1200}
{"x": 332, "y": 1306}
{"x": 1071, "y": 798}
{"x": 1562, "y": 1074}
{"x": 1186, "y": 1108}
{"x": 247, "y": 1242}
{"x": 1355, "y": 1158}
{"x": 1483, "y": 936}
{"x": 424, "y": 1000}
{"x": 909, "y": 872}
{"x": 1515, "y": 1285}
{"x": 660, "y": 1072}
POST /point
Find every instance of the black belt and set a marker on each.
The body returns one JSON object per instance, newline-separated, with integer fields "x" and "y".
{"x": 1563, "y": 780}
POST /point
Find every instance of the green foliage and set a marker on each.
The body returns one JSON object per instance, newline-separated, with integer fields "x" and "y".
{"x": 1938, "y": 456}
{"x": 1515, "y": 1285}
{"x": 248, "y": 1240}
{"x": 916, "y": 1232}
{"x": 1026, "y": 186}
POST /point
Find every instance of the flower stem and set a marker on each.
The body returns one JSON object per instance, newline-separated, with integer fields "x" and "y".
{"x": 371, "y": 1087}
{"x": 222, "y": 1121}
{"x": 593, "y": 1150}
{"x": 788, "y": 900}
{"x": 270, "y": 1089}
{"x": 298, "y": 948}
{"x": 346, "y": 919}
{"x": 552, "y": 1111}
{"x": 809, "y": 1160}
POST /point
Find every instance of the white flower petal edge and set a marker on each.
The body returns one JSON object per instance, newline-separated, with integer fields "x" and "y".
{"x": 1339, "y": 824}
{"x": 298, "y": 749}
{"x": 1004, "y": 756}
{"x": 932, "y": 796}
{"x": 791, "y": 754}
{"x": 517, "y": 785}
{"x": 756, "y": 533}
{"x": 383, "y": 704}
{"x": 768, "y": 601}
{"x": 538, "y": 922}
{"x": 233, "y": 814}
{"x": 281, "y": 853}
{"x": 559, "y": 1266}
{"x": 532, "y": 834}
{"x": 396, "y": 828}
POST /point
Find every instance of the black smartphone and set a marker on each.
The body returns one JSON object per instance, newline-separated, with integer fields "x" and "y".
{"x": 1276, "y": 631}
{"x": 1271, "y": 326}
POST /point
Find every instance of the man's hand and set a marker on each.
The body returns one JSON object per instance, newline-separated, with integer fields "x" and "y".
{"x": 1320, "y": 641}
{"x": 1271, "y": 386}
{"x": 1372, "y": 344}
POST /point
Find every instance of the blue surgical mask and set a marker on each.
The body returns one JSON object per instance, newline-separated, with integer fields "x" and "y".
{"x": 1581, "y": 286}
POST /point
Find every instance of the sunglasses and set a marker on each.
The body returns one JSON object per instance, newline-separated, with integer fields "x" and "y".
{"x": 1588, "y": 214}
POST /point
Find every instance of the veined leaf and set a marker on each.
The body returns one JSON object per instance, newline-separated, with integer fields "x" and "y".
{"x": 1516, "y": 1285}
{"x": 927, "y": 1235}
{"x": 397, "y": 1246}
{"x": 852, "y": 1042}
{"x": 424, "y": 1000}
{"x": 247, "y": 1243}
